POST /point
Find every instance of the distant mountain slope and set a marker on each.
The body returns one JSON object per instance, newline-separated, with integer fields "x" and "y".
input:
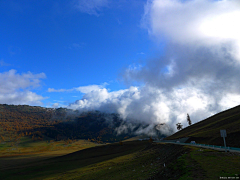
{"x": 208, "y": 130}
{"x": 61, "y": 124}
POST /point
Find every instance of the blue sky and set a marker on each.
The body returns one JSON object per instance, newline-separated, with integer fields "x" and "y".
{"x": 71, "y": 47}
{"x": 148, "y": 60}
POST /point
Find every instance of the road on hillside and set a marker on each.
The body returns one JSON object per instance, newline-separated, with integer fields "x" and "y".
{"x": 218, "y": 148}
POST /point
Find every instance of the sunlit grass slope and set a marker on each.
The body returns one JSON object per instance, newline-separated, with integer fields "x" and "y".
{"x": 131, "y": 160}
{"x": 31, "y": 151}
{"x": 27, "y": 146}
{"x": 208, "y": 130}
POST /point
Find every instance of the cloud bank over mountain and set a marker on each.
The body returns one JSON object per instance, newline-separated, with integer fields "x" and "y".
{"x": 198, "y": 74}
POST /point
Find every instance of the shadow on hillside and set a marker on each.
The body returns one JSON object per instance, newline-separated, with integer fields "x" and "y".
{"x": 72, "y": 161}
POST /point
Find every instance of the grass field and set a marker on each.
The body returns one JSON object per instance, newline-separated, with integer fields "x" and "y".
{"x": 131, "y": 160}
{"x": 216, "y": 163}
{"x": 27, "y": 151}
{"x": 203, "y": 164}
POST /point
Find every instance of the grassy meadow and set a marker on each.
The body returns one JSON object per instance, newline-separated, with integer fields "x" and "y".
{"x": 138, "y": 160}
{"x": 203, "y": 164}
{"x": 27, "y": 150}
{"x": 129, "y": 160}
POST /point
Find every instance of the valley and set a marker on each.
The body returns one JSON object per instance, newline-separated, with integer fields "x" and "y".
{"x": 35, "y": 147}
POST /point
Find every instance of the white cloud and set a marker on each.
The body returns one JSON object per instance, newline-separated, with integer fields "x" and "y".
{"x": 87, "y": 89}
{"x": 11, "y": 81}
{"x": 2, "y": 63}
{"x": 55, "y": 105}
{"x": 197, "y": 22}
{"x": 198, "y": 74}
{"x": 92, "y": 7}
{"x": 15, "y": 88}
{"x": 152, "y": 105}
{"x": 58, "y": 90}
{"x": 26, "y": 97}
{"x": 82, "y": 89}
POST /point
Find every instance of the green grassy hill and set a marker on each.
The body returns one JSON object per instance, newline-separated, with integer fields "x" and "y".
{"x": 208, "y": 130}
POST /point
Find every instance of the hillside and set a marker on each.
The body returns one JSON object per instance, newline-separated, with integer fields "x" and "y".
{"x": 59, "y": 124}
{"x": 131, "y": 160}
{"x": 29, "y": 149}
{"x": 135, "y": 160}
{"x": 208, "y": 131}
{"x": 40, "y": 123}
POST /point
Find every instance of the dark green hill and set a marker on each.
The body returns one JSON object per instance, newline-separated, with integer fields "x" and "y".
{"x": 208, "y": 130}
